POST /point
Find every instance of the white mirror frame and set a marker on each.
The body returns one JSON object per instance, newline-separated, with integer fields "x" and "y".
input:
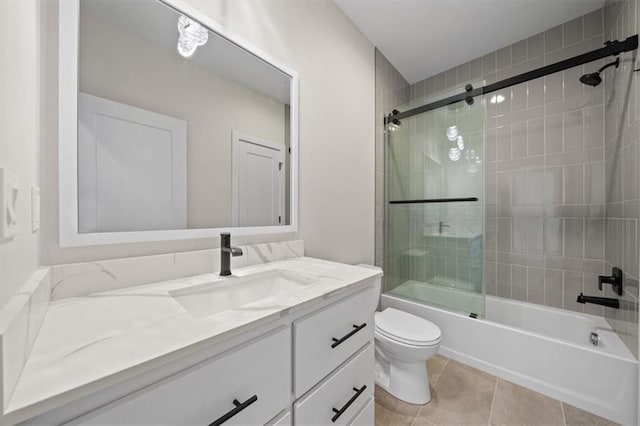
{"x": 69, "y": 15}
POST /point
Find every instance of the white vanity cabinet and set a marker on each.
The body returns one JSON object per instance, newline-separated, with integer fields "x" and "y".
{"x": 339, "y": 398}
{"x": 326, "y": 338}
{"x": 310, "y": 366}
{"x": 248, "y": 386}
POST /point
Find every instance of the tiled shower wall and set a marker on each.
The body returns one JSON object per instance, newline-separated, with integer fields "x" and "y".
{"x": 544, "y": 168}
{"x": 622, "y": 156}
{"x": 392, "y": 90}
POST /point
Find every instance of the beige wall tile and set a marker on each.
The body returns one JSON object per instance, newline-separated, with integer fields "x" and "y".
{"x": 553, "y": 134}
{"x": 519, "y": 52}
{"x": 574, "y": 184}
{"x": 535, "y": 46}
{"x": 489, "y": 63}
{"x": 592, "y": 24}
{"x": 503, "y": 58}
{"x": 573, "y": 237}
{"x": 535, "y": 137}
{"x": 553, "y": 39}
{"x": 572, "y": 32}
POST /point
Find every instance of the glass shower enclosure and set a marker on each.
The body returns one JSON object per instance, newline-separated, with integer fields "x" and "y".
{"x": 434, "y": 205}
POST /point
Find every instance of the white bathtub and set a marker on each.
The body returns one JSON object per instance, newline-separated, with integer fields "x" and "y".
{"x": 544, "y": 349}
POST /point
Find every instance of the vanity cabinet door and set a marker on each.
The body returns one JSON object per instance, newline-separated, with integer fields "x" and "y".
{"x": 251, "y": 384}
{"x": 340, "y": 398}
{"x": 327, "y": 338}
{"x": 282, "y": 420}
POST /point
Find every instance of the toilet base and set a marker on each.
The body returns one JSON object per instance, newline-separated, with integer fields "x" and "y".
{"x": 408, "y": 382}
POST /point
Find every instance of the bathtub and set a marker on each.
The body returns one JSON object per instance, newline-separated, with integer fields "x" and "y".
{"x": 544, "y": 349}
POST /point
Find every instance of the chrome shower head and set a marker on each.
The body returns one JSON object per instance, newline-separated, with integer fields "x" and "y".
{"x": 594, "y": 79}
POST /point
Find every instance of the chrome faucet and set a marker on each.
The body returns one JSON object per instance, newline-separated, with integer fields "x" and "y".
{"x": 226, "y": 251}
{"x": 441, "y": 225}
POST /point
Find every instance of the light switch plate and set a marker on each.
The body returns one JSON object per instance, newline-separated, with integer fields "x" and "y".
{"x": 8, "y": 203}
{"x": 35, "y": 208}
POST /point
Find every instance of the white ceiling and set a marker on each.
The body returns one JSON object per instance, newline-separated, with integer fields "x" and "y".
{"x": 422, "y": 38}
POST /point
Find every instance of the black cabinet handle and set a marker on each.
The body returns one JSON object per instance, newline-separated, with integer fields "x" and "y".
{"x": 239, "y": 407}
{"x": 356, "y": 328}
{"x": 344, "y": 408}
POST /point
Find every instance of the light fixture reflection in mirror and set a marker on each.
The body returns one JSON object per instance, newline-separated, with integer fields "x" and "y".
{"x": 454, "y": 153}
{"x": 192, "y": 35}
{"x": 452, "y": 132}
{"x": 473, "y": 162}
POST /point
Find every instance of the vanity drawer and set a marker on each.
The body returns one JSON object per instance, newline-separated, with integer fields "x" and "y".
{"x": 256, "y": 376}
{"x": 282, "y": 420}
{"x": 338, "y": 399}
{"x": 366, "y": 416}
{"x": 327, "y": 338}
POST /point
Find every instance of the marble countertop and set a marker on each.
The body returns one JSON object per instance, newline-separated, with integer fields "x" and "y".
{"x": 91, "y": 342}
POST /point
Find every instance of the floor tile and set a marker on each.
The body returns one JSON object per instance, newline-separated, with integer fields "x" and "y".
{"x": 516, "y": 405}
{"x": 391, "y": 411}
{"x": 461, "y": 396}
{"x": 421, "y": 421}
{"x": 435, "y": 366}
{"x": 386, "y": 417}
{"x": 576, "y": 417}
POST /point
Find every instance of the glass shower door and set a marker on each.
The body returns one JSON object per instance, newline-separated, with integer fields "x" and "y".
{"x": 434, "y": 206}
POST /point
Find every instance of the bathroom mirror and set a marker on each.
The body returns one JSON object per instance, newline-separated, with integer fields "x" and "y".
{"x": 170, "y": 127}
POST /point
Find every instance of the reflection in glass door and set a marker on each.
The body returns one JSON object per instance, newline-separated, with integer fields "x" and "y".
{"x": 434, "y": 206}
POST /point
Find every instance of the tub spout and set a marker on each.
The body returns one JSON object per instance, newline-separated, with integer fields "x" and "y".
{"x": 604, "y": 301}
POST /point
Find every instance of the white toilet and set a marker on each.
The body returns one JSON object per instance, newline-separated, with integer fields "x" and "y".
{"x": 403, "y": 344}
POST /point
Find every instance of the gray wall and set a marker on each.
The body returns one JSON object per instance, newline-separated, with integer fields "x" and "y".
{"x": 544, "y": 168}
{"x": 622, "y": 156}
{"x": 20, "y": 110}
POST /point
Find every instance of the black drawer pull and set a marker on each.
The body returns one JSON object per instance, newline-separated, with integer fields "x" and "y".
{"x": 356, "y": 328}
{"x": 239, "y": 407}
{"x": 344, "y": 408}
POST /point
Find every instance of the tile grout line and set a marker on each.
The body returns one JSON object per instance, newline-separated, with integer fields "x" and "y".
{"x": 564, "y": 419}
{"x": 493, "y": 400}
{"x": 446, "y": 364}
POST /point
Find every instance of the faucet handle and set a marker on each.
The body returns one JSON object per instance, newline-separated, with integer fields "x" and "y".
{"x": 615, "y": 279}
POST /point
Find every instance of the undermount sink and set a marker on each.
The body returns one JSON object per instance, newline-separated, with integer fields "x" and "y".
{"x": 230, "y": 293}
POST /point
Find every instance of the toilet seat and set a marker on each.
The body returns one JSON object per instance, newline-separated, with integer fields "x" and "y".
{"x": 406, "y": 328}
{"x": 396, "y": 339}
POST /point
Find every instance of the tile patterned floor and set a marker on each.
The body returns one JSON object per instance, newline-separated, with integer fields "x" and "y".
{"x": 462, "y": 395}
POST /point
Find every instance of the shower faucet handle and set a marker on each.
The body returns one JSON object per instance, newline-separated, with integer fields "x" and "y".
{"x": 615, "y": 279}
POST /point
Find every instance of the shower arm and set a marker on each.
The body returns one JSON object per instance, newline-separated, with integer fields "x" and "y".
{"x": 610, "y": 64}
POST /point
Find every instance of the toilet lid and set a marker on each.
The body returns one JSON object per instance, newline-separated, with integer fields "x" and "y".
{"x": 406, "y": 327}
